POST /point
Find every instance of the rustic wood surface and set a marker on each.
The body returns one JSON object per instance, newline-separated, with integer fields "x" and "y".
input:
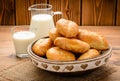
{"x": 118, "y": 13}
{"x": 7, "y": 12}
{"x": 23, "y": 15}
{"x": 71, "y": 9}
{"x": 16, "y": 69}
{"x": 98, "y": 12}
{"x": 83, "y": 12}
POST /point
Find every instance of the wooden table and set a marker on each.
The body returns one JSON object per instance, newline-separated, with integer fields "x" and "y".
{"x": 16, "y": 69}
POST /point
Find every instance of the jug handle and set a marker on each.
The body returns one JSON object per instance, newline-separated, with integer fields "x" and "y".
{"x": 58, "y": 12}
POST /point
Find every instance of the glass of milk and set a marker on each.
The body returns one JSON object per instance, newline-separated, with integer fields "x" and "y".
{"x": 22, "y": 37}
{"x": 42, "y": 19}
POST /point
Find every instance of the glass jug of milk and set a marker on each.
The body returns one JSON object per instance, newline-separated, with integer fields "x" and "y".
{"x": 41, "y": 19}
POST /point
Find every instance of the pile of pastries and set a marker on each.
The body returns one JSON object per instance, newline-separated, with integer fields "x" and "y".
{"x": 67, "y": 42}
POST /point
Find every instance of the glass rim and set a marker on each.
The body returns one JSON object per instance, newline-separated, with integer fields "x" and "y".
{"x": 14, "y": 28}
{"x": 32, "y": 7}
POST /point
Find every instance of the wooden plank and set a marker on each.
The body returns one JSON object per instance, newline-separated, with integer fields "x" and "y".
{"x": 98, "y": 12}
{"x": 56, "y": 4}
{"x": 118, "y": 13}
{"x": 71, "y": 10}
{"x": 22, "y": 13}
{"x": 7, "y": 12}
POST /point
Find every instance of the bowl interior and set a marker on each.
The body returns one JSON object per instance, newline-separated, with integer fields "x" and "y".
{"x": 32, "y": 54}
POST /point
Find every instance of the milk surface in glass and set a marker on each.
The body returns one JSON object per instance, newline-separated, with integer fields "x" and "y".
{"x": 41, "y": 24}
{"x": 21, "y": 41}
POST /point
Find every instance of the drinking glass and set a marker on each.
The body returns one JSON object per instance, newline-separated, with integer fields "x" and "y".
{"x": 22, "y": 37}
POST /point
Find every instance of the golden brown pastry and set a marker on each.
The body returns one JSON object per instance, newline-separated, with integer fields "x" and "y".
{"x": 55, "y": 53}
{"x": 53, "y": 34}
{"x": 41, "y": 46}
{"x": 95, "y": 40}
{"x": 91, "y": 53}
{"x": 73, "y": 45}
{"x": 67, "y": 28}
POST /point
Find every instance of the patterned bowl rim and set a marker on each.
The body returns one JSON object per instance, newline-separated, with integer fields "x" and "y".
{"x": 38, "y": 58}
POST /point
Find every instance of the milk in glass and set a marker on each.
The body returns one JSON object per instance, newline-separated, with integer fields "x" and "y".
{"x": 21, "y": 41}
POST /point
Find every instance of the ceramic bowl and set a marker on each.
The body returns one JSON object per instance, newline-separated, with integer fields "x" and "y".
{"x": 68, "y": 66}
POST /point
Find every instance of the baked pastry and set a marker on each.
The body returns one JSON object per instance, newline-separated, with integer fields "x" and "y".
{"x": 53, "y": 34}
{"x": 67, "y": 28}
{"x": 73, "y": 45}
{"x": 91, "y": 53}
{"x": 95, "y": 40}
{"x": 55, "y": 53}
{"x": 41, "y": 46}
